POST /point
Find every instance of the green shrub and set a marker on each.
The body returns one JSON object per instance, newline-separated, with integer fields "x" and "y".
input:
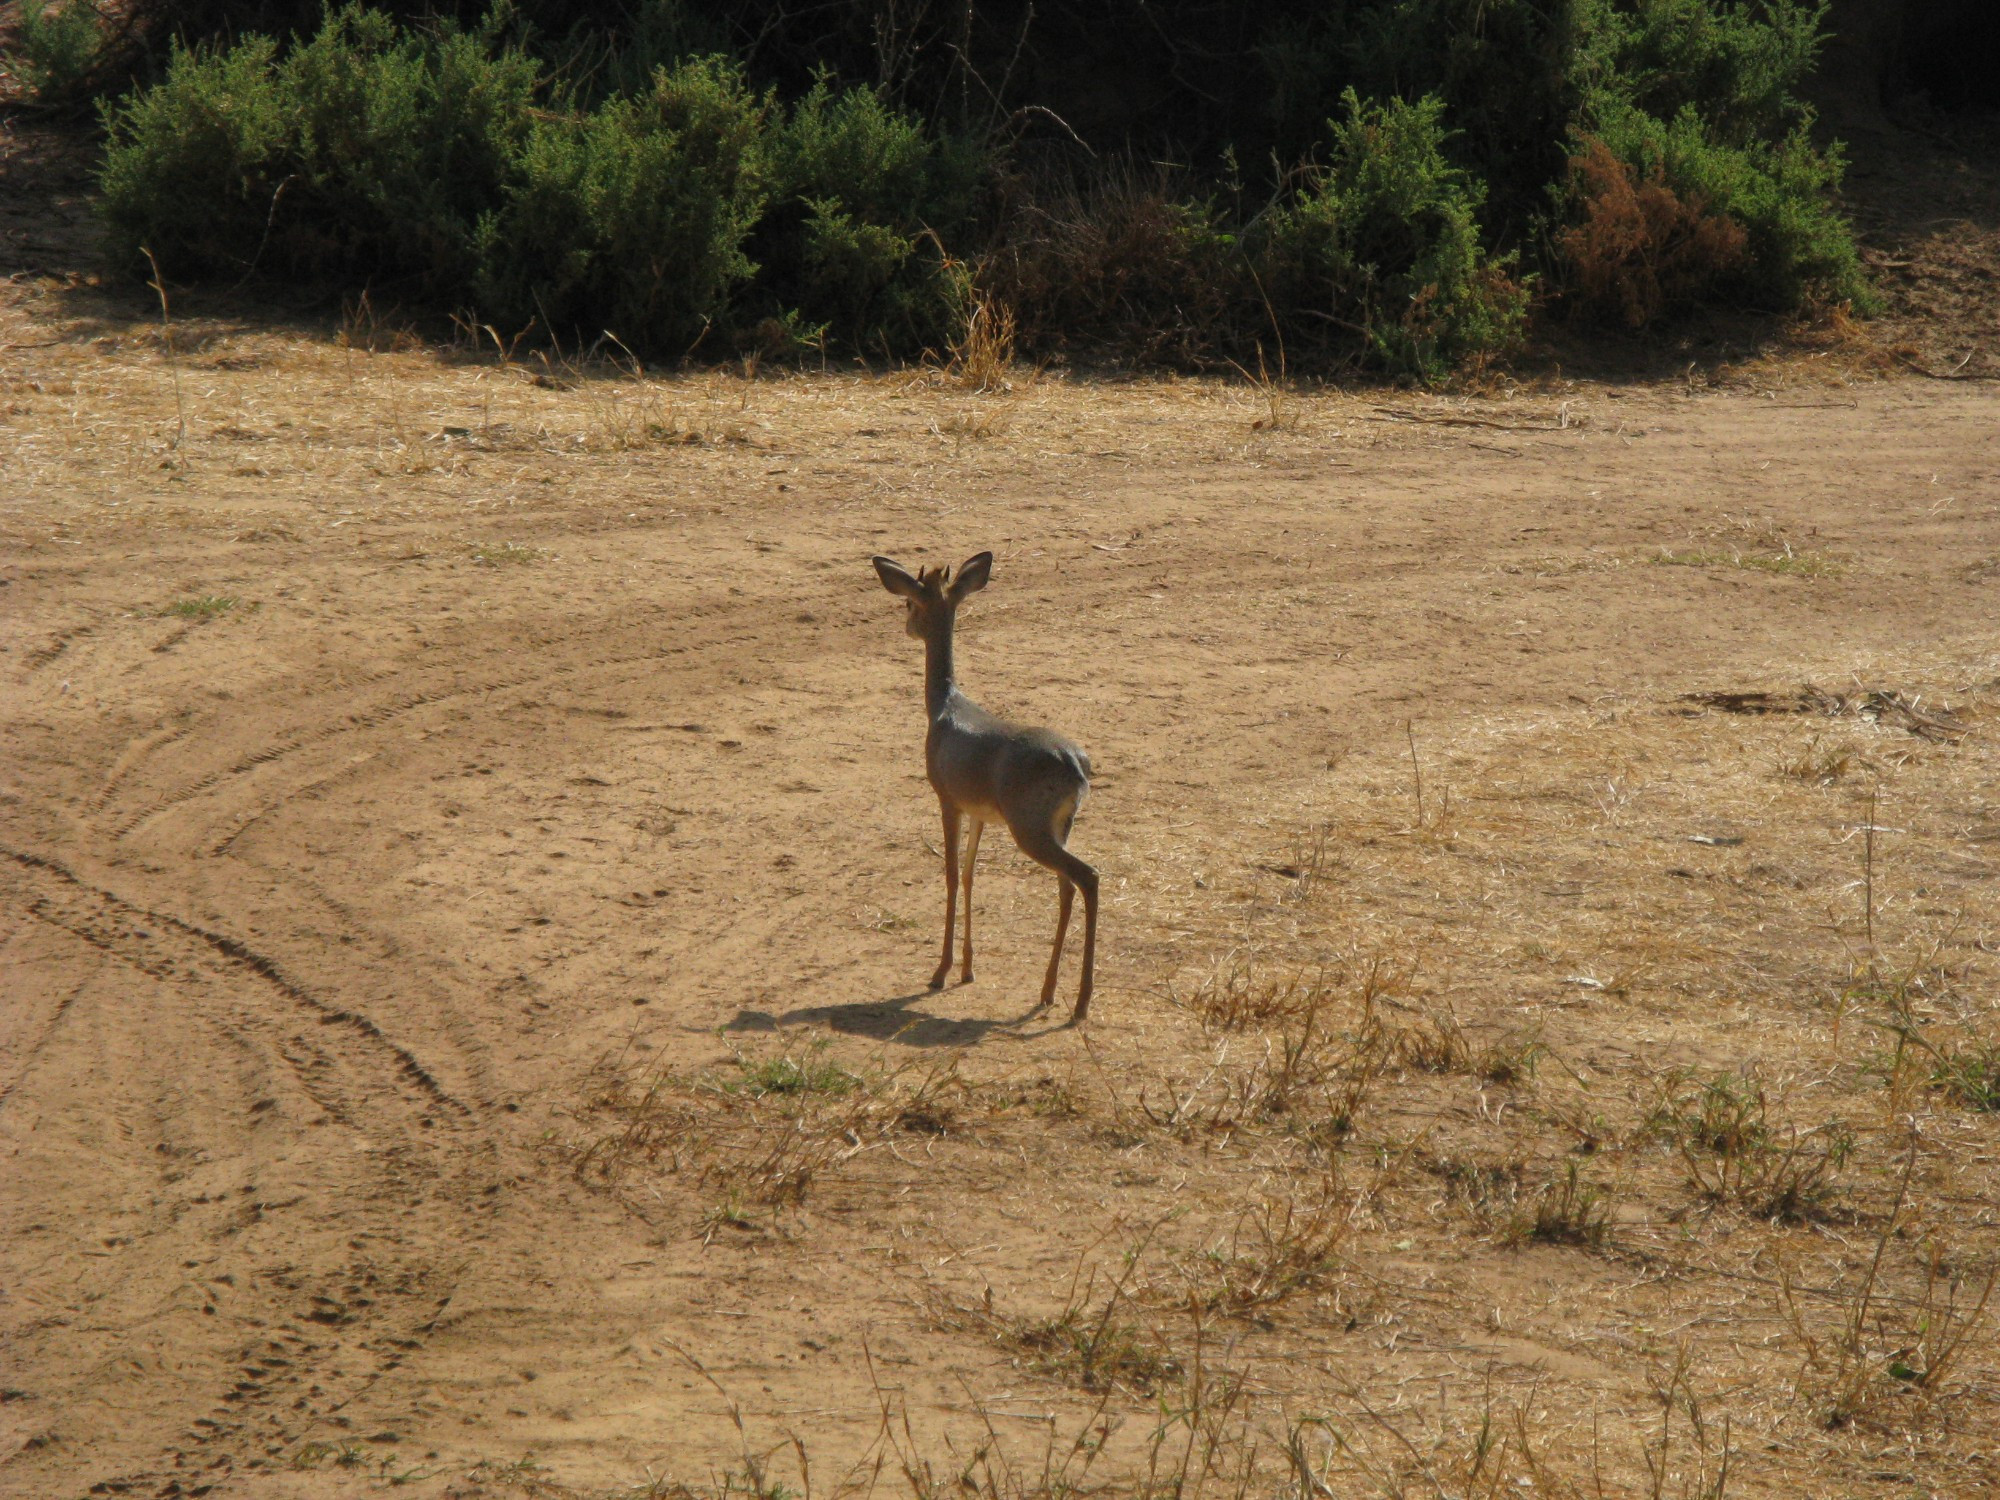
{"x": 854, "y": 187}
{"x": 1702, "y": 99}
{"x": 1384, "y": 244}
{"x": 1782, "y": 193}
{"x": 623, "y": 175}
{"x": 370, "y": 151}
{"x": 1738, "y": 63}
{"x": 191, "y": 165}
{"x": 1508, "y": 73}
{"x": 401, "y": 140}
{"x": 633, "y": 218}
{"x": 59, "y": 46}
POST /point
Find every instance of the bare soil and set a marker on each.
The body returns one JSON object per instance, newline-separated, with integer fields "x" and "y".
{"x": 467, "y": 882}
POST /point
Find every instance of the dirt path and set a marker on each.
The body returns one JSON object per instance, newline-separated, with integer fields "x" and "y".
{"x": 523, "y": 726}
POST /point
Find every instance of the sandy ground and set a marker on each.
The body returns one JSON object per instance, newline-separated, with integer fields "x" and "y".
{"x": 515, "y": 733}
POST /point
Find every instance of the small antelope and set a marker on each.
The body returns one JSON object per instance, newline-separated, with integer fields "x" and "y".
{"x": 984, "y": 769}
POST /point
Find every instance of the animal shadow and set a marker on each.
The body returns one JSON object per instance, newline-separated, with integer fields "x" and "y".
{"x": 890, "y": 1019}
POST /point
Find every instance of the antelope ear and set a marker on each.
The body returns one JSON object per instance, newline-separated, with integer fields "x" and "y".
{"x": 972, "y": 576}
{"x": 897, "y": 579}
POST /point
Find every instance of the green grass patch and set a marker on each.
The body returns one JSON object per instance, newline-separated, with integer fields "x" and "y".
{"x": 506, "y": 555}
{"x": 788, "y": 1076}
{"x": 203, "y": 606}
{"x": 1970, "y": 1075}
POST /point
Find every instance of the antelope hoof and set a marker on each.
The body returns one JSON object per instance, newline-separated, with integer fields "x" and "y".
{"x": 938, "y": 979}
{"x": 965, "y": 976}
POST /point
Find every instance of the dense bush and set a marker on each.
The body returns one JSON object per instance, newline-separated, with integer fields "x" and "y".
{"x": 422, "y": 159}
{"x": 1638, "y": 249}
{"x": 1699, "y": 100}
{"x": 633, "y": 218}
{"x": 1509, "y": 73}
{"x": 855, "y": 186}
{"x": 1418, "y": 167}
{"x": 1384, "y": 245}
{"x": 369, "y": 152}
{"x": 60, "y": 47}
{"x": 1739, "y": 64}
{"x": 1780, "y": 194}
{"x": 402, "y": 140}
{"x": 192, "y": 165}
{"x": 1121, "y": 262}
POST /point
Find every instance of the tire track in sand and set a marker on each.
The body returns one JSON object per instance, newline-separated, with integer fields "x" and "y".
{"x": 116, "y": 926}
{"x": 330, "y": 1291}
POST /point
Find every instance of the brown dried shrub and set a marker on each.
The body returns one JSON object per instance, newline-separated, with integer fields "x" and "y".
{"x": 1123, "y": 262}
{"x": 1641, "y": 250}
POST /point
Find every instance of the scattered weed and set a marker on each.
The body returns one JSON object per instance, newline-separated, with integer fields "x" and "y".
{"x": 1277, "y": 1247}
{"x": 1566, "y": 1210}
{"x": 969, "y": 424}
{"x": 506, "y": 554}
{"x": 1489, "y": 1191}
{"x": 1097, "y": 1350}
{"x": 1087, "y": 1343}
{"x": 372, "y": 330}
{"x": 1440, "y": 1044}
{"x": 314, "y": 1455}
{"x": 203, "y": 606}
{"x": 786, "y": 1074}
{"x": 1789, "y": 563}
{"x": 1311, "y": 1074}
{"x": 1965, "y": 1072}
{"x": 1969, "y": 1074}
{"x": 764, "y": 1133}
{"x": 1236, "y": 996}
{"x": 1888, "y": 1346}
{"x": 1733, "y": 1154}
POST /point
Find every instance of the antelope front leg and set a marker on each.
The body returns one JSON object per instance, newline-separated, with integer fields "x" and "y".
{"x": 950, "y": 890}
{"x": 971, "y": 858}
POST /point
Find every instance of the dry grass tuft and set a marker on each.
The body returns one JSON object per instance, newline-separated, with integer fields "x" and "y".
{"x": 506, "y": 554}
{"x": 203, "y": 606}
{"x": 1567, "y": 1209}
{"x": 1822, "y": 764}
{"x": 1440, "y": 1044}
{"x": 1278, "y": 1246}
{"x": 1885, "y": 1348}
{"x": 982, "y": 356}
{"x": 1094, "y": 1344}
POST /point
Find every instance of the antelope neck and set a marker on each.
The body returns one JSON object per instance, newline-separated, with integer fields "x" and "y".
{"x": 938, "y": 683}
